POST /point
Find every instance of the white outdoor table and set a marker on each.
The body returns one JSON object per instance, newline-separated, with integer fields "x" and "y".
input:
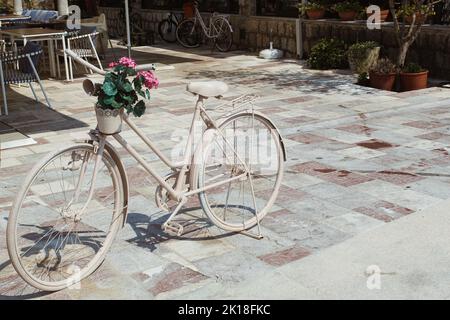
{"x": 41, "y": 34}
{"x": 102, "y": 42}
{"x": 12, "y": 18}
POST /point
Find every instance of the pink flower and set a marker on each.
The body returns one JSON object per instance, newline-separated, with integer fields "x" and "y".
{"x": 127, "y": 62}
{"x": 113, "y": 64}
{"x": 150, "y": 81}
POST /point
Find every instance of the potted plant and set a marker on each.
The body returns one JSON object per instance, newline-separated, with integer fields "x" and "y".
{"x": 314, "y": 9}
{"x": 384, "y": 8}
{"x": 413, "y": 77}
{"x": 347, "y": 10}
{"x": 416, "y": 10}
{"x": 405, "y": 36}
{"x": 118, "y": 94}
{"x": 384, "y": 14}
{"x": 382, "y": 74}
{"x": 362, "y": 56}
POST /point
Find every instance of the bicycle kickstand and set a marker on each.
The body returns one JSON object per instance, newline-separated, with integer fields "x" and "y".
{"x": 174, "y": 226}
{"x": 257, "y": 236}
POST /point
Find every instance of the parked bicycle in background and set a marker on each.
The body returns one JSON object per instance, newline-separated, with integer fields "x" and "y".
{"x": 167, "y": 27}
{"x": 192, "y": 31}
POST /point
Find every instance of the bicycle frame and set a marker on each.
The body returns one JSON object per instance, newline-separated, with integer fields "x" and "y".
{"x": 209, "y": 31}
{"x": 181, "y": 170}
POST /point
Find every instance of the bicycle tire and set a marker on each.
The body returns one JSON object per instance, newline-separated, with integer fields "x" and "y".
{"x": 224, "y": 39}
{"x": 188, "y": 34}
{"x": 167, "y": 29}
{"x": 15, "y": 252}
{"x": 214, "y": 208}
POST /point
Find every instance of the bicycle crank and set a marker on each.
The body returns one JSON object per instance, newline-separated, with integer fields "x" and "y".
{"x": 162, "y": 198}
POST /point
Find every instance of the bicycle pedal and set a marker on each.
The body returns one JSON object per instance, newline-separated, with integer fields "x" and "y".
{"x": 173, "y": 227}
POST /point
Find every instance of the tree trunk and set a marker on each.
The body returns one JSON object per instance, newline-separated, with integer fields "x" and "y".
{"x": 402, "y": 51}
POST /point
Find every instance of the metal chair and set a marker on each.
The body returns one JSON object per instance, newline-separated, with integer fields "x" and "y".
{"x": 83, "y": 45}
{"x": 17, "y": 67}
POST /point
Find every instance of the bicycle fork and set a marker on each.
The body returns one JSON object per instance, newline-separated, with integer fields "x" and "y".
{"x": 98, "y": 151}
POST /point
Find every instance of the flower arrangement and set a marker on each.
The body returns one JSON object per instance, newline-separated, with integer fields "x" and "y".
{"x": 118, "y": 91}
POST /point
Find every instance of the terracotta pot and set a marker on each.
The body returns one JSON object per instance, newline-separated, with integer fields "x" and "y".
{"x": 188, "y": 9}
{"x": 419, "y": 18}
{"x": 315, "y": 14}
{"x": 413, "y": 81}
{"x": 109, "y": 121}
{"x": 382, "y": 81}
{"x": 347, "y": 15}
{"x": 384, "y": 15}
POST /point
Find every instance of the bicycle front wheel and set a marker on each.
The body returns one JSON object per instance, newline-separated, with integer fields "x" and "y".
{"x": 188, "y": 34}
{"x": 241, "y": 172}
{"x": 224, "y": 38}
{"x": 167, "y": 29}
{"x": 55, "y": 236}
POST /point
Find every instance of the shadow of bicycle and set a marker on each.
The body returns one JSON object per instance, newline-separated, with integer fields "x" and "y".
{"x": 196, "y": 227}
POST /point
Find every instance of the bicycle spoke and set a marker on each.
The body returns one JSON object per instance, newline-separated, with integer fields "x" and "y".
{"x": 50, "y": 237}
{"x": 243, "y": 202}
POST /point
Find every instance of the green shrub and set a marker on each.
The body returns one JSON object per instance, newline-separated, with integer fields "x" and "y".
{"x": 384, "y": 66}
{"x": 313, "y": 5}
{"x": 413, "y": 68}
{"x": 347, "y": 6}
{"x": 363, "y": 55}
{"x": 363, "y": 79}
{"x": 359, "y": 48}
{"x": 328, "y": 54}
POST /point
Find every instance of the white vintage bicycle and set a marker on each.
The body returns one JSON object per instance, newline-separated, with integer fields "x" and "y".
{"x": 73, "y": 202}
{"x": 190, "y": 32}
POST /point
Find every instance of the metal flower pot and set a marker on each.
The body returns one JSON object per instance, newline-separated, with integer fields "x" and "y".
{"x": 109, "y": 121}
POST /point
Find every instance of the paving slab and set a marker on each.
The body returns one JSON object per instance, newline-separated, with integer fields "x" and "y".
{"x": 358, "y": 160}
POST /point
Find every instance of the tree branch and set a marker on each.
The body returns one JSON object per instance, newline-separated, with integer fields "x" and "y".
{"x": 395, "y": 18}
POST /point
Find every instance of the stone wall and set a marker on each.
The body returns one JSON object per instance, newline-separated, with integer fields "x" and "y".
{"x": 255, "y": 33}
{"x": 250, "y": 32}
{"x": 431, "y": 49}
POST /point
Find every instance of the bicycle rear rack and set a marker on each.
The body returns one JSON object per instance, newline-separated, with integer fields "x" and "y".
{"x": 239, "y": 104}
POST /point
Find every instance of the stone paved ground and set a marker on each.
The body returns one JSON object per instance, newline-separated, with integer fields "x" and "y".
{"x": 357, "y": 159}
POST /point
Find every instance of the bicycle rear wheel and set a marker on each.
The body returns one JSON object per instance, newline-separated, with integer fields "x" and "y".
{"x": 188, "y": 34}
{"x": 224, "y": 39}
{"x": 250, "y": 154}
{"x": 167, "y": 29}
{"x": 50, "y": 246}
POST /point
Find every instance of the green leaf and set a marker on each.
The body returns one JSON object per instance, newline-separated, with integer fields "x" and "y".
{"x": 119, "y": 68}
{"x": 128, "y": 98}
{"x": 109, "y": 88}
{"x": 116, "y": 105}
{"x": 139, "y": 108}
{"x": 130, "y": 72}
{"x": 108, "y": 100}
{"x": 127, "y": 87}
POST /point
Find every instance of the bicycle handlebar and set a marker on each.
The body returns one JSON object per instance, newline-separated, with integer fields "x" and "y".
{"x": 91, "y": 88}
{"x": 74, "y": 56}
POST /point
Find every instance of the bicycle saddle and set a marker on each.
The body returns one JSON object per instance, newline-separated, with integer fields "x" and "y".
{"x": 207, "y": 88}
